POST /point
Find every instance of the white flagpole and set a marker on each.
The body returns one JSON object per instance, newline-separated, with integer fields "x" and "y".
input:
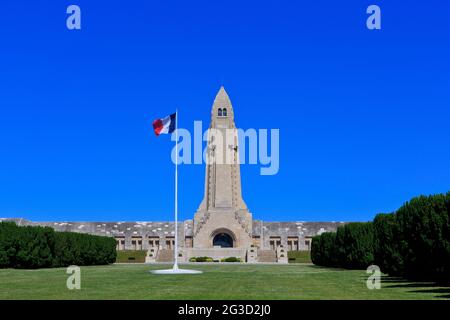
{"x": 175, "y": 269}
{"x": 175, "y": 266}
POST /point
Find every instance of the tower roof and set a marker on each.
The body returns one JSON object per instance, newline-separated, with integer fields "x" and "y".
{"x": 222, "y": 94}
{"x": 222, "y": 101}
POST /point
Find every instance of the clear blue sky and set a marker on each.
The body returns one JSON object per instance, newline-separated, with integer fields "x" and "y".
{"x": 364, "y": 116}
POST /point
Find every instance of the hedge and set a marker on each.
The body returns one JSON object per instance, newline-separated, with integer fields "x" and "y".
{"x": 231, "y": 259}
{"x": 350, "y": 247}
{"x": 42, "y": 247}
{"x": 323, "y": 251}
{"x": 355, "y": 245}
{"x": 413, "y": 242}
{"x": 386, "y": 244}
{"x": 424, "y": 238}
{"x": 201, "y": 259}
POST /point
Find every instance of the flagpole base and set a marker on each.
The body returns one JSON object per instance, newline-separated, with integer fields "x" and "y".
{"x": 176, "y": 271}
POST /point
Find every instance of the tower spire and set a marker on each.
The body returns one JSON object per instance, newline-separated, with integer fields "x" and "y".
{"x": 222, "y": 202}
{"x": 222, "y": 114}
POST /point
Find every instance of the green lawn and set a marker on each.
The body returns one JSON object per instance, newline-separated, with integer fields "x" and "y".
{"x": 130, "y": 256}
{"x": 293, "y": 281}
{"x": 299, "y": 256}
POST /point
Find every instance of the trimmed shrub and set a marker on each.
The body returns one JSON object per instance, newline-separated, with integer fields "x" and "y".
{"x": 413, "y": 242}
{"x": 354, "y": 243}
{"x": 424, "y": 237}
{"x": 386, "y": 244}
{"x": 350, "y": 247}
{"x": 323, "y": 250}
{"x": 25, "y": 247}
{"x": 83, "y": 249}
{"x": 8, "y": 243}
{"x": 42, "y": 247}
{"x": 201, "y": 259}
{"x": 231, "y": 259}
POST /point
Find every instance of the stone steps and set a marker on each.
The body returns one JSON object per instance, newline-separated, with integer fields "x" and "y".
{"x": 267, "y": 256}
{"x": 165, "y": 255}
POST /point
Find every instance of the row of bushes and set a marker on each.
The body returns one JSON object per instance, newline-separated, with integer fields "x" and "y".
{"x": 42, "y": 247}
{"x": 231, "y": 259}
{"x": 413, "y": 242}
{"x": 209, "y": 259}
{"x": 351, "y": 247}
{"x": 201, "y": 259}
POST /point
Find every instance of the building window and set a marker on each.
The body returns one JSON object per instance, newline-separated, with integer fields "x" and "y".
{"x": 219, "y": 112}
{"x": 170, "y": 242}
{"x": 120, "y": 243}
{"x": 136, "y": 243}
{"x": 224, "y": 112}
{"x": 308, "y": 244}
{"x": 274, "y": 243}
{"x": 153, "y": 242}
{"x": 292, "y": 243}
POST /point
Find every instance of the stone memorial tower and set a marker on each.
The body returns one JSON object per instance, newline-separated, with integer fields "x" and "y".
{"x": 222, "y": 219}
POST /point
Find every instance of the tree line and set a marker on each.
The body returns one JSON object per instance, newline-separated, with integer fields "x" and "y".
{"x": 412, "y": 242}
{"x": 42, "y": 247}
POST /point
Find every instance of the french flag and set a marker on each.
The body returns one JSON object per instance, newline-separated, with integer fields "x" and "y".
{"x": 165, "y": 125}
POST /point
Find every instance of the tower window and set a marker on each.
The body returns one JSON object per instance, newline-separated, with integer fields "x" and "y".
{"x": 224, "y": 112}
{"x": 219, "y": 112}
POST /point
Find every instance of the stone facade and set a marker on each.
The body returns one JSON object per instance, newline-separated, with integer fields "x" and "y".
{"x": 222, "y": 210}
{"x": 145, "y": 235}
{"x": 222, "y": 226}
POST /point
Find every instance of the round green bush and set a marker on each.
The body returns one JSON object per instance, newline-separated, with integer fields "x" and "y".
{"x": 231, "y": 259}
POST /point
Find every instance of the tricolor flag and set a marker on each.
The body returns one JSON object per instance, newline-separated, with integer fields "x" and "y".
{"x": 165, "y": 125}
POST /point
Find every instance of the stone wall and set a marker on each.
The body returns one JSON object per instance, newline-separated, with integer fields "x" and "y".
{"x": 264, "y": 233}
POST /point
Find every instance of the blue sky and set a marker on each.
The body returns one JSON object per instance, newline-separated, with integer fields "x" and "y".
{"x": 363, "y": 115}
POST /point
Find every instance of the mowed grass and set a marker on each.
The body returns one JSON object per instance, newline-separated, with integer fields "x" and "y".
{"x": 293, "y": 281}
{"x": 131, "y": 256}
{"x": 299, "y": 256}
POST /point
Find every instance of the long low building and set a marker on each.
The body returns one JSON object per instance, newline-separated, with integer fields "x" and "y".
{"x": 160, "y": 236}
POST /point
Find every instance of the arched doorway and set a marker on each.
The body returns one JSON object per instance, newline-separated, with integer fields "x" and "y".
{"x": 223, "y": 240}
